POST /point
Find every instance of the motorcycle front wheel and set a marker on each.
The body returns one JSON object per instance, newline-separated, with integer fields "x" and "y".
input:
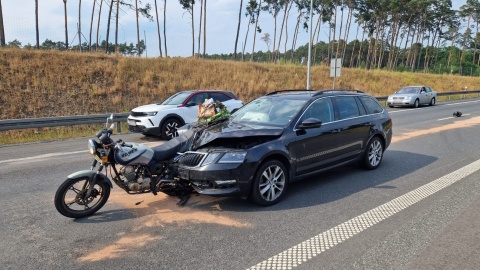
{"x": 71, "y": 200}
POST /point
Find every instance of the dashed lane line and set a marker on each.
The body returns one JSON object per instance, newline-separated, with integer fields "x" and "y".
{"x": 318, "y": 244}
{"x": 44, "y": 156}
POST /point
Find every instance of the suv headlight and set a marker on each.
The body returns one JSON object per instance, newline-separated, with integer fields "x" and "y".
{"x": 233, "y": 157}
{"x": 151, "y": 113}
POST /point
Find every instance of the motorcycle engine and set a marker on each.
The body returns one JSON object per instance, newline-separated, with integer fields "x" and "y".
{"x": 135, "y": 180}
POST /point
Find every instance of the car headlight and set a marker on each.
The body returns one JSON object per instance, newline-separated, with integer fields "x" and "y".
{"x": 408, "y": 98}
{"x": 210, "y": 158}
{"x": 151, "y": 113}
{"x": 233, "y": 157}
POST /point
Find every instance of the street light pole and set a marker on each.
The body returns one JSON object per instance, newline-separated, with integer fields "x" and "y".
{"x": 309, "y": 46}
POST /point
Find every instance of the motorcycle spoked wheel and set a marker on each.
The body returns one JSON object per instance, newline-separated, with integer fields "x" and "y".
{"x": 70, "y": 199}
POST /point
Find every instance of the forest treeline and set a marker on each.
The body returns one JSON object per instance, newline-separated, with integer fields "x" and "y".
{"x": 401, "y": 35}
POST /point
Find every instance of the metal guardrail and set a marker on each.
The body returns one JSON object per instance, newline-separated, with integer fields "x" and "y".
{"x": 24, "y": 123}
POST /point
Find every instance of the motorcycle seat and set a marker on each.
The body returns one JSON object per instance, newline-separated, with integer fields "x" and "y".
{"x": 173, "y": 146}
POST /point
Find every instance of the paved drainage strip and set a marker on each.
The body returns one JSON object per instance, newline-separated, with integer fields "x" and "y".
{"x": 312, "y": 247}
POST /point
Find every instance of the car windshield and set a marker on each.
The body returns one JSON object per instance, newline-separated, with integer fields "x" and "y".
{"x": 177, "y": 98}
{"x": 409, "y": 90}
{"x": 268, "y": 111}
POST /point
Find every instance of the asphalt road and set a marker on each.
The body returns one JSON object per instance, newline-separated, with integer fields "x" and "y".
{"x": 418, "y": 210}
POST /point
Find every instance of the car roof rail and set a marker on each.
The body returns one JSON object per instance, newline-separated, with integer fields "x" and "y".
{"x": 321, "y": 92}
{"x": 291, "y": 90}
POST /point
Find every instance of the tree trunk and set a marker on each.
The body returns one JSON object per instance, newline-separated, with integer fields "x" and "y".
{"x": 238, "y": 30}
{"x": 2, "y": 30}
{"x": 204, "y": 27}
{"x": 36, "y": 25}
{"x": 108, "y": 26}
{"x": 193, "y": 32}
{"x": 277, "y": 54}
{"x": 66, "y": 25}
{"x": 347, "y": 31}
{"x": 475, "y": 41}
{"x": 98, "y": 24}
{"x": 463, "y": 43}
{"x": 116, "y": 27}
{"x": 353, "y": 47}
{"x": 91, "y": 26}
{"x": 255, "y": 33}
{"x": 246, "y": 37}
{"x": 295, "y": 35}
{"x": 158, "y": 30}
{"x": 200, "y": 28}
{"x": 138, "y": 27}
{"x": 359, "y": 59}
{"x": 286, "y": 34}
{"x": 165, "y": 25}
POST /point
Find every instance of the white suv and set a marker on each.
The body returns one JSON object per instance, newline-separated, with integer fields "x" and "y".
{"x": 165, "y": 118}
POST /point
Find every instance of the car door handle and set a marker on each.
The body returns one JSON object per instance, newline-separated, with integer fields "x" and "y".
{"x": 368, "y": 124}
{"x": 335, "y": 131}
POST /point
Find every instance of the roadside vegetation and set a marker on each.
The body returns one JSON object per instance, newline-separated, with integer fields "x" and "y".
{"x": 35, "y": 83}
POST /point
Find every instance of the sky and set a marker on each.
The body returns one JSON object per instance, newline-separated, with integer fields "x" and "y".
{"x": 222, "y": 21}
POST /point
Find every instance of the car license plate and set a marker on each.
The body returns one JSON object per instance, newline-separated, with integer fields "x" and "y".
{"x": 184, "y": 174}
{"x": 132, "y": 122}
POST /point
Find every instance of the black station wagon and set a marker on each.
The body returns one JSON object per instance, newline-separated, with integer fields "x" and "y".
{"x": 283, "y": 137}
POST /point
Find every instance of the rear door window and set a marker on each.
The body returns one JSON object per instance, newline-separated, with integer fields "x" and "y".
{"x": 347, "y": 107}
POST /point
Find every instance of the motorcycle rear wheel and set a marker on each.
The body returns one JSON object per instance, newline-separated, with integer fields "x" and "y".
{"x": 71, "y": 202}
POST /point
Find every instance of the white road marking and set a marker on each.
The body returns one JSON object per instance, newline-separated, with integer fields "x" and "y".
{"x": 44, "y": 156}
{"x": 451, "y": 117}
{"x": 421, "y": 108}
{"x": 53, "y": 155}
{"x": 312, "y": 247}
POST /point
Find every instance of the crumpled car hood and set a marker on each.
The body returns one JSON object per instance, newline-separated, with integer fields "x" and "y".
{"x": 232, "y": 130}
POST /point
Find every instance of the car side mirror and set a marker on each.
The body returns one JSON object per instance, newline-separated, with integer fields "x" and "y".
{"x": 190, "y": 104}
{"x": 310, "y": 123}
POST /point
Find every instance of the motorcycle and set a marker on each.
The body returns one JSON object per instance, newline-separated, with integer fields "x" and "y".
{"x": 133, "y": 167}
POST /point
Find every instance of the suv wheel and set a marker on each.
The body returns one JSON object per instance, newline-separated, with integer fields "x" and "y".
{"x": 374, "y": 154}
{"x": 169, "y": 128}
{"x": 269, "y": 183}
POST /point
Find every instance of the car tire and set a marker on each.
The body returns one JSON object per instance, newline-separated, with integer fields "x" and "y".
{"x": 416, "y": 103}
{"x": 373, "y": 154}
{"x": 432, "y": 102}
{"x": 169, "y": 128}
{"x": 390, "y": 106}
{"x": 269, "y": 183}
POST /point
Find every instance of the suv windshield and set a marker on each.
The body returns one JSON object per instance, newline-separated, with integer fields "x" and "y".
{"x": 177, "y": 98}
{"x": 268, "y": 111}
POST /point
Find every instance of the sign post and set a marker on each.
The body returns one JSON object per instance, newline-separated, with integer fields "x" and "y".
{"x": 335, "y": 69}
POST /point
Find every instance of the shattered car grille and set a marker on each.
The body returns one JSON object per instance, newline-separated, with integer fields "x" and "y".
{"x": 192, "y": 159}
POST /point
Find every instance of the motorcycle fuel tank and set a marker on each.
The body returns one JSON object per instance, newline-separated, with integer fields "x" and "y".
{"x": 138, "y": 154}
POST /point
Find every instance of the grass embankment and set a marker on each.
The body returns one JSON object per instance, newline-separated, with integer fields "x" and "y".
{"x": 50, "y": 83}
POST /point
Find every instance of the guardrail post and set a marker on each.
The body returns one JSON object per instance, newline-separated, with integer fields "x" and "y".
{"x": 119, "y": 127}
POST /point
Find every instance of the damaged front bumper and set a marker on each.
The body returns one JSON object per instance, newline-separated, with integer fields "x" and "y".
{"x": 219, "y": 179}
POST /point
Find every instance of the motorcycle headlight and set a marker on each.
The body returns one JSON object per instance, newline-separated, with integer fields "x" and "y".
{"x": 151, "y": 113}
{"x": 233, "y": 157}
{"x": 91, "y": 147}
